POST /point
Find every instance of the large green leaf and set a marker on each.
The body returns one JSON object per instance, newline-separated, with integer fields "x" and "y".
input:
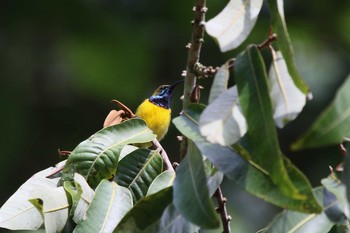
{"x": 146, "y": 212}
{"x": 109, "y": 205}
{"x": 172, "y": 222}
{"x": 287, "y": 99}
{"x": 244, "y": 173}
{"x": 332, "y": 126}
{"x": 222, "y": 121}
{"x": 18, "y": 213}
{"x": 292, "y": 221}
{"x": 137, "y": 171}
{"x": 284, "y": 43}
{"x": 234, "y": 23}
{"x": 191, "y": 196}
{"x": 333, "y": 199}
{"x": 252, "y": 84}
{"x": 97, "y": 157}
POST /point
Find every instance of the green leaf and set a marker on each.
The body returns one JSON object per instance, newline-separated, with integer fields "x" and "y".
{"x": 334, "y": 185}
{"x": 162, "y": 181}
{"x": 74, "y": 191}
{"x": 292, "y": 221}
{"x": 222, "y": 121}
{"x": 17, "y": 213}
{"x": 138, "y": 170}
{"x": 151, "y": 206}
{"x": 172, "y": 222}
{"x": 246, "y": 174}
{"x": 220, "y": 82}
{"x": 109, "y": 205}
{"x": 234, "y": 23}
{"x": 284, "y": 44}
{"x": 54, "y": 207}
{"x": 287, "y": 99}
{"x": 251, "y": 80}
{"x": 191, "y": 196}
{"x": 332, "y": 126}
{"x": 346, "y": 172}
{"x": 97, "y": 157}
{"x": 85, "y": 198}
{"x": 214, "y": 182}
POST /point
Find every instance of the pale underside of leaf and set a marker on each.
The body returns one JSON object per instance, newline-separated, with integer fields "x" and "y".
{"x": 234, "y": 23}
{"x": 222, "y": 121}
{"x": 287, "y": 99}
{"x": 220, "y": 82}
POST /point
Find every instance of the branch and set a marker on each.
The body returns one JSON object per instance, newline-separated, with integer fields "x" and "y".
{"x": 164, "y": 155}
{"x": 194, "y": 48}
{"x": 226, "y": 219}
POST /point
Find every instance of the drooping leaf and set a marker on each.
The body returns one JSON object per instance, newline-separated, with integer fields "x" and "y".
{"x": 287, "y": 99}
{"x": 162, "y": 181}
{"x": 234, "y": 23}
{"x": 222, "y": 121}
{"x": 219, "y": 84}
{"x": 74, "y": 191}
{"x": 284, "y": 44}
{"x": 138, "y": 170}
{"x": 109, "y": 205}
{"x": 332, "y": 126}
{"x": 251, "y": 80}
{"x": 293, "y": 221}
{"x": 97, "y": 157}
{"x": 85, "y": 198}
{"x": 18, "y": 213}
{"x": 172, "y": 222}
{"x": 151, "y": 206}
{"x": 244, "y": 173}
{"x": 191, "y": 196}
{"x": 54, "y": 207}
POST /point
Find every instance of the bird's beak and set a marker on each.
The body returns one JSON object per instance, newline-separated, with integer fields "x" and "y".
{"x": 172, "y": 86}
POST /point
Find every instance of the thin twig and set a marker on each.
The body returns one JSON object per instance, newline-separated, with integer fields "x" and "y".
{"x": 268, "y": 41}
{"x": 164, "y": 155}
{"x": 226, "y": 219}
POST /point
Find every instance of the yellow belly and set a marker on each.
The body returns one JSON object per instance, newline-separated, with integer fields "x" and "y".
{"x": 157, "y": 118}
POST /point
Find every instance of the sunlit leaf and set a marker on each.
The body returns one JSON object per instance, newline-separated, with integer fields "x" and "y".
{"x": 246, "y": 174}
{"x": 284, "y": 43}
{"x": 287, "y": 99}
{"x": 18, "y": 213}
{"x": 219, "y": 84}
{"x": 332, "y": 126}
{"x": 109, "y": 205}
{"x": 97, "y": 157}
{"x": 163, "y": 180}
{"x": 151, "y": 206}
{"x": 137, "y": 171}
{"x": 252, "y": 84}
{"x": 191, "y": 196}
{"x": 54, "y": 207}
{"x": 172, "y": 222}
{"x": 234, "y": 23}
{"x": 127, "y": 149}
{"x": 222, "y": 121}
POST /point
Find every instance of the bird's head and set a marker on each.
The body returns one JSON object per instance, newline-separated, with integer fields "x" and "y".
{"x": 162, "y": 95}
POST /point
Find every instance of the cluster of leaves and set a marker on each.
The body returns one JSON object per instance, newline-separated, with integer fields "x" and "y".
{"x": 112, "y": 183}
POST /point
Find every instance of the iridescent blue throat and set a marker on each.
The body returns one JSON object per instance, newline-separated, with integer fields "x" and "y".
{"x": 162, "y": 99}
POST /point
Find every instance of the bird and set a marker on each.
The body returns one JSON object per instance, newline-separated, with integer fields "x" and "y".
{"x": 156, "y": 111}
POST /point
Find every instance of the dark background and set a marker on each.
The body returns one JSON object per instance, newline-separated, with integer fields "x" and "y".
{"x": 61, "y": 62}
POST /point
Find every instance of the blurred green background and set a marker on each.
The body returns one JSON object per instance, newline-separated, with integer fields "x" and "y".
{"x": 61, "y": 62}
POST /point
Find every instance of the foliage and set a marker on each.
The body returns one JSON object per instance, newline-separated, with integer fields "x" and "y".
{"x": 115, "y": 182}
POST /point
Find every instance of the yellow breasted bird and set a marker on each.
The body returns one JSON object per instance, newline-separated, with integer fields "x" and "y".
{"x": 156, "y": 111}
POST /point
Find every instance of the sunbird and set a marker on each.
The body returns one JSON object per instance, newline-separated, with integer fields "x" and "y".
{"x": 156, "y": 111}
